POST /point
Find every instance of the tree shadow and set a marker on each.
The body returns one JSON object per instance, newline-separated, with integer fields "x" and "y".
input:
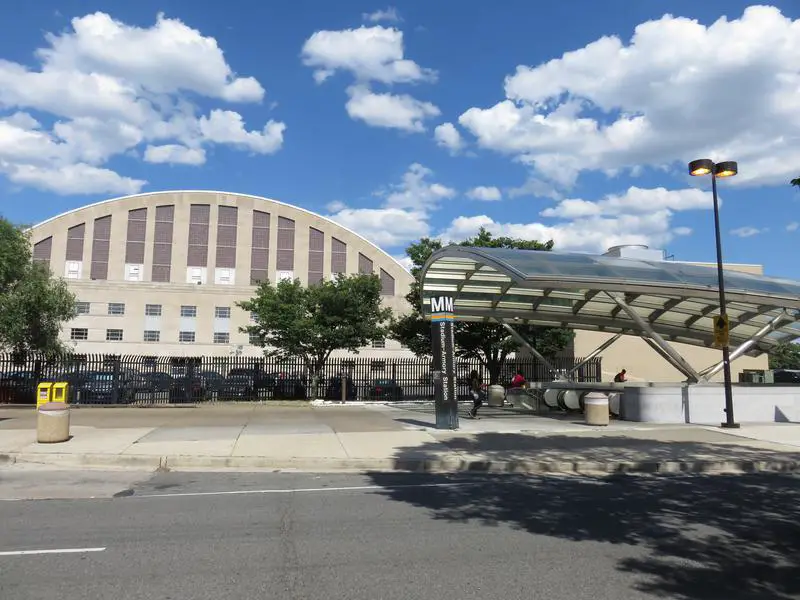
{"x": 707, "y": 536}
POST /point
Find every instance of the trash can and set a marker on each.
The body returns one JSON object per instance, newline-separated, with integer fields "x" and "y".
{"x": 497, "y": 395}
{"x": 596, "y": 408}
{"x": 52, "y": 423}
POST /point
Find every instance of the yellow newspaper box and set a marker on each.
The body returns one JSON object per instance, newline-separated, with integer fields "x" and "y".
{"x": 59, "y": 392}
{"x": 44, "y": 392}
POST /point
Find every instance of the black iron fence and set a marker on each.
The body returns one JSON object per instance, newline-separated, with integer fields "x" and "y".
{"x": 145, "y": 380}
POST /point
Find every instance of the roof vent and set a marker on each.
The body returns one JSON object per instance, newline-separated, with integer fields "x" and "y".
{"x": 635, "y": 251}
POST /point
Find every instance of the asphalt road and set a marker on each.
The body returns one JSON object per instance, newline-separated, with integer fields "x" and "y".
{"x": 210, "y": 535}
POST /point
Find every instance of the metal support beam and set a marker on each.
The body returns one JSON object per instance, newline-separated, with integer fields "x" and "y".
{"x": 668, "y": 306}
{"x": 594, "y": 353}
{"x": 675, "y": 357}
{"x": 586, "y": 299}
{"x": 708, "y": 373}
{"x": 660, "y": 351}
{"x": 523, "y": 342}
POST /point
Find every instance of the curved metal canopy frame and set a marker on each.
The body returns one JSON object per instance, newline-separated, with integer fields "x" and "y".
{"x": 671, "y": 300}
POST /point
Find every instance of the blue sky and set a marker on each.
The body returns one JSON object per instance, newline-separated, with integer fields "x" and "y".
{"x": 570, "y": 121}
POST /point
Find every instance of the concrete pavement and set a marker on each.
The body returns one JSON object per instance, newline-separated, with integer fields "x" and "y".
{"x": 388, "y": 438}
{"x": 410, "y": 537}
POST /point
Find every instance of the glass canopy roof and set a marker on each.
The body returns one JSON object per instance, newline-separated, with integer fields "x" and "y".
{"x": 677, "y": 300}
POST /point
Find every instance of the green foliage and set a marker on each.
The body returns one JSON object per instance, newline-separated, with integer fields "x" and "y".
{"x": 785, "y": 356}
{"x": 489, "y": 343}
{"x": 33, "y": 304}
{"x": 795, "y": 181}
{"x": 311, "y": 322}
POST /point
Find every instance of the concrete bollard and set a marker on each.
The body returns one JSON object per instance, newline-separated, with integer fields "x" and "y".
{"x": 596, "y": 408}
{"x": 52, "y": 423}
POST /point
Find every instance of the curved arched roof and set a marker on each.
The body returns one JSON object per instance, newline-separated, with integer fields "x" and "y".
{"x": 133, "y": 197}
{"x": 574, "y": 290}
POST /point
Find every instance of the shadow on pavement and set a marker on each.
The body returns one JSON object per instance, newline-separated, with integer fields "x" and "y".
{"x": 707, "y": 536}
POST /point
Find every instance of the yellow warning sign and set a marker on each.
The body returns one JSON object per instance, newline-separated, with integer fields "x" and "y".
{"x": 721, "y": 331}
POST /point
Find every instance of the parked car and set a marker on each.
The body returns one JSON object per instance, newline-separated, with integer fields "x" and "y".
{"x": 383, "y": 389}
{"x": 289, "y": 386}
{"x": 334, "y": 389}
{"x": 786, "y": 376}
{"x": 237, "y": 386}
{"x": 18, "y": 387}
{"x": 106, "y": 387}
{"x": 186, "y": 389}
{"x": 261, "y": 380}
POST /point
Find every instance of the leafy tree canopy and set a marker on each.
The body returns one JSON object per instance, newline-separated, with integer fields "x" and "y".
{"x": 33, "y": 304}
{"x": 795, "y": 181}
{"x": 489, "y": 343}
{"x": 785, "y": 356}
{"x": 311, "y": 322}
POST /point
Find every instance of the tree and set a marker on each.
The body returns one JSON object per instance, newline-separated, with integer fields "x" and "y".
{"x": 795, "y": 181}
{"x": 311, "y": 322}
{"x": 785, "y": 356}
{"x": 489, "y": 343}
{"x": 33, "y": 304}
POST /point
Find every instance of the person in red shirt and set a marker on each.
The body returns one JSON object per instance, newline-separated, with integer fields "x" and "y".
{"x": 518, "y": 380}
{"x": 621, "y": 377}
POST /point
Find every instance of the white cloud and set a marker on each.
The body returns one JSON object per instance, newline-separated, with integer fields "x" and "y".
{"x": 447, "y": 136}
{"x": 335, "y": 206}
{"x": 404, "y": 212}
{"x": 387, "y": 14}
{"x": 747, "y": 231}
{"x": 227, "y": 127}
{"x": 71, "y": 179}
{"x": 638, "y": 216}
{"x": 678, "y": 90}
{"x": 109, "y": 88}
{"x": 634, "y": 201}
{"x": 485, "y": 193}
{"x": 368, "y": 53}
{"x": 391, "y": 111}
{"x": 793, "y": 226}
{"x": 175, "y": 154}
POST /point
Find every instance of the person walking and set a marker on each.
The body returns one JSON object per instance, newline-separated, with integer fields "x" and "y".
{"x": 475, "y": 382}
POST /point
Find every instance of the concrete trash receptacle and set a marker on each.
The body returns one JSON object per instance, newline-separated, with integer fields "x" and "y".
{"x": 52, "y": 423}
{"x": 497, "y": 395}
{"x": 596, "y": 408}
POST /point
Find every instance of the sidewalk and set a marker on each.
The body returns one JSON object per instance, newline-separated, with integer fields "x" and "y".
{"x": 388, "y": 438}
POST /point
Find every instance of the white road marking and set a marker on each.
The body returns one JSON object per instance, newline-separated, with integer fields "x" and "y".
{"x": 53, "y": 551}
{"x": 304, "y": 490}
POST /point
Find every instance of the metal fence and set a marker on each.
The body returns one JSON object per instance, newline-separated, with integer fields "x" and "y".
{"x": 148, "y": 380}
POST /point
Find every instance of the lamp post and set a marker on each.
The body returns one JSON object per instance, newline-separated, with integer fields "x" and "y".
{"x": 698, "y": 168}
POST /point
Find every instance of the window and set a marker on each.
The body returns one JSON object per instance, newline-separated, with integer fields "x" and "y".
{"x": 253, "y": 316}
{"x": 186, "y": 336}
{"x": 152, "y": 310}
{"x": 82, "y": 308}
{"x": 378, "y": 365}
{"x": 222, "y": 312}
{"x": 222, "y": 338}
{"x": 79, "y": 333}
{"x": 116, "y": 308}
{"x": 255, "y": 339}
{"x": 73, "y": 269}
{"x": 224, "y": 276}
{"x": 113, "y": 335}
{"x": 189, "y": 311}
{"x": 379, "y": 343}
{"x": 133, "y": 272}
{"x": 152, "y": 336}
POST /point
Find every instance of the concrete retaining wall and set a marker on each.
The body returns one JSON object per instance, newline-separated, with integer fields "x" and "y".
{"x": 704, "y": 404}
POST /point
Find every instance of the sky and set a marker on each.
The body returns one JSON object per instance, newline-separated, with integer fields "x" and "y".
{"x": 569, "y": 121}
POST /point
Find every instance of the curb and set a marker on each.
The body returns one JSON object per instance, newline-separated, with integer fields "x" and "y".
{"x": 411, "y": 465}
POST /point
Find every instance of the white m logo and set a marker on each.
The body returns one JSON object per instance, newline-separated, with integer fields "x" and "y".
{"x": 442, "y": 304}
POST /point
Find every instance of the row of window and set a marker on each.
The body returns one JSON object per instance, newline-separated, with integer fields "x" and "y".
{"x": 153, "y": 310}
{"x": 81, "y": 334}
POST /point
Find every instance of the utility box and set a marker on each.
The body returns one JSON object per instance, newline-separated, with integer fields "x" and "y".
{"x": 59, "y": 392}
{"x": 44, "y": 393}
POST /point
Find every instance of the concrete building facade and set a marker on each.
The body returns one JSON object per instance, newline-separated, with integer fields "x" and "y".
{"x": 160, "y": 273}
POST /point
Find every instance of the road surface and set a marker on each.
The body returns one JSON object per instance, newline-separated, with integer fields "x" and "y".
{"x": 397, "y": 537}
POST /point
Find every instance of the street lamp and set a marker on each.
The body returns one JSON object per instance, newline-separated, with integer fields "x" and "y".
{"x": 729, "y": 168}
